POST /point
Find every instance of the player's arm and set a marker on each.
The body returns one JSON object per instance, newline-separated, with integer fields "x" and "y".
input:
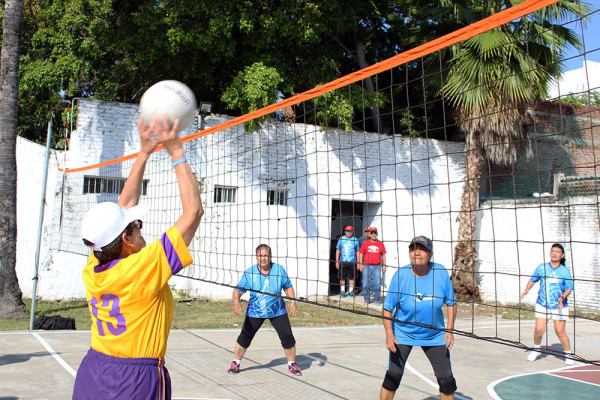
{"x": 390, "y": 338}
{"x": 449, "y": 336}
{"x": 562, "y": 298}
{"x": 383, "y": 263}
{"x": 130, "y": 195}
{"x": 359, "y": 266}
{"x": 337, "y": 258}
{"x": 529, "y": 285}
{"x": 188, "y": 222}
{"x": 237, "y": 308}
{"x": 289, "y": 292}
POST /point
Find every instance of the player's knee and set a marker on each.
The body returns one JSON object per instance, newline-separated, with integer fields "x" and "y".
{"x": 288, "y": 342}
{"x": 244, "y": 340}
{"x": 391, "y": 381}
{"x": 447, "y": 385}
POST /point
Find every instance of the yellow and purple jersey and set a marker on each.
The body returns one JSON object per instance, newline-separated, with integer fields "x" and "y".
{"x": 130, "y": 301}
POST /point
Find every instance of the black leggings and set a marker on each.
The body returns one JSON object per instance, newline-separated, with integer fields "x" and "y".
{"x": 438, "y": 356}
{"x": 281, "y": 324}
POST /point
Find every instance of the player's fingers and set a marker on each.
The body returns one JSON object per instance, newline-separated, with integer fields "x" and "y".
{"x": 142, "y": 126}
{"x": 174, "y": 127}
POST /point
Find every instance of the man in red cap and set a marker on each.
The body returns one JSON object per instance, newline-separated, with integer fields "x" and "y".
{"x": 371, "y": 261}
{"x": 345, "y": 259}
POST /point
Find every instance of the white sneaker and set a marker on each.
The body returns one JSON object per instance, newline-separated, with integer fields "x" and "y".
{"x": 569, "y": 361}
{"x": 533, "y": 355}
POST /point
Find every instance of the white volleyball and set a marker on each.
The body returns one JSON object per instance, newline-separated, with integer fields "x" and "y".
{"x": 172, "y": 98}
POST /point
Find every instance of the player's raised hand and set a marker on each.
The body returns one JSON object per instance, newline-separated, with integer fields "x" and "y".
{"x": 146, "y": 139}
{"x": 164, "y": 131}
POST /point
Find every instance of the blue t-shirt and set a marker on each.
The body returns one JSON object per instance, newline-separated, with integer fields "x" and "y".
{"x": 419, "y": 299}
{"x": 348, "y": 248}
{"x": 553, "y": 283}
{"x": 263, "y": 305}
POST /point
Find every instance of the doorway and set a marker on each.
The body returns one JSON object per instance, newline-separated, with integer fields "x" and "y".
{"x": 344, "y": 213}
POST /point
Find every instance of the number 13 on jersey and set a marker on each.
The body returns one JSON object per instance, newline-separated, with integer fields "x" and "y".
{"x": 110, "y": 303}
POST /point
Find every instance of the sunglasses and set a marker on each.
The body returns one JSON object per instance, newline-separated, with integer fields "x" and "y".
{"x": 348, "y": 231}
{"x": 138, "y": 223}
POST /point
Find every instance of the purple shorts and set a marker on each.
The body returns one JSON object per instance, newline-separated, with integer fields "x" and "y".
{"x": 102, "y": 377}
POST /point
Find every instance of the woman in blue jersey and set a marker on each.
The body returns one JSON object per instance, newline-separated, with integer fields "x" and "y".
{"x": 265, "y": 280}
{"x": 556, "y": 285}
{"x": 415, "y": 296}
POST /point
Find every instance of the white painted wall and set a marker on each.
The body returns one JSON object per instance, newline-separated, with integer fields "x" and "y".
{"x": 316, "y": 167}
{"x": 410, "y": 186}
{"x": 577, "y": 81}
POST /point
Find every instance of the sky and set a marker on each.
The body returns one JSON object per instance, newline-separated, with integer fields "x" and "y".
{"x": 591, "y": 37}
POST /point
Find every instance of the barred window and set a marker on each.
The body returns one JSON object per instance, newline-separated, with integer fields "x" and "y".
{"x": 102, "y": 185}
{"x": 225, "y": 194}
{"x": 277, "y": 197}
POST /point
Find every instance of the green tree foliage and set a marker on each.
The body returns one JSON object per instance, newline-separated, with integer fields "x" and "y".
{"x": 338, "y": 108}
{"x": 584, "y": 99}
{"x": 255, "y": 87}
{"x": 110, "y": 50}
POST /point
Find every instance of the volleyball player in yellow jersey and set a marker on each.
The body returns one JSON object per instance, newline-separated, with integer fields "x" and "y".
{"x": 126, "y": 281}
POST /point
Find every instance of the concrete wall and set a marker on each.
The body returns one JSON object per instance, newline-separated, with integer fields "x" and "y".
{"x": 406, "y": 186}
{"x": 316, "y": 166}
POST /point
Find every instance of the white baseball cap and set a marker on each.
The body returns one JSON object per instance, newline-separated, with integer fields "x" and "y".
{"x": 104, "y": 222}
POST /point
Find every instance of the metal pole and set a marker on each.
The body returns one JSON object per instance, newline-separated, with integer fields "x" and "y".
{"x": 39, "y": 238}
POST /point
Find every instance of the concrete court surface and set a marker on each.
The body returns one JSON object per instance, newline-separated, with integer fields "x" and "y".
{"x": 337, "y": 363}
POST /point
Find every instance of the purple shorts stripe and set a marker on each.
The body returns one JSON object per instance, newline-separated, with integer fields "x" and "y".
{"x": 102, "y": 377}
{"x": 107, "y": 266}
{"x": 172, "y": 256}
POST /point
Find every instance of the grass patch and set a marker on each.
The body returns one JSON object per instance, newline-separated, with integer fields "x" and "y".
{"x": 77, "y": 309}
{"x": 193, "y": 314}
{"x": 219, "y": 314}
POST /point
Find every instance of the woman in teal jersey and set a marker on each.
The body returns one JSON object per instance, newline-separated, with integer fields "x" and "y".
{"x": 556, "y": 284}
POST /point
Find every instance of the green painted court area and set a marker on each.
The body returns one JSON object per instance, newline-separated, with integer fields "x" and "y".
{"x": 545, "y": 386}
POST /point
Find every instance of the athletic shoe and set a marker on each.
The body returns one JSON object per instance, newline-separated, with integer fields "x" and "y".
{"x": 294, "y": 369}
{"x": 569, "y": 361}
{"x": 533, "y": 355}
{"x": 234, "y": 369}
{"x": 351, "y": 294}
{"x": 343, "y": 294}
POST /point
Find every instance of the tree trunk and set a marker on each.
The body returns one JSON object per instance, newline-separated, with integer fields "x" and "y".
{"x": 362, "y": 63}
{"x": 11, "y": 302}
{"x": 465, "y": 262}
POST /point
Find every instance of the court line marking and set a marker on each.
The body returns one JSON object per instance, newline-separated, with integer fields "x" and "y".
{"x": 490, "y": 386}
{"x": 429, "y": 381}
{"x": 494, "y": 395}
{"x": 54, "y": 354}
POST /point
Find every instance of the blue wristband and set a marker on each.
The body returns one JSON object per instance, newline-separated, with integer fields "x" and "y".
{"x": 181, "y": 160}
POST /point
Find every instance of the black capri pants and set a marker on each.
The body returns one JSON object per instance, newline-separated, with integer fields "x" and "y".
{"x": 281, "y": 324}
{"x": 439, "y": 357}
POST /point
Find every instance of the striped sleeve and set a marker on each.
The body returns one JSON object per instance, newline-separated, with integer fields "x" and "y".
{"x": 176, "y": 251}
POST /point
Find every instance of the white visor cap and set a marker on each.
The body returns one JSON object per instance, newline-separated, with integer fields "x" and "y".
{"x": 104, "y": 222}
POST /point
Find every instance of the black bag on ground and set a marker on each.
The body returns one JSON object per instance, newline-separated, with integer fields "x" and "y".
{"x": 53, "y": 322}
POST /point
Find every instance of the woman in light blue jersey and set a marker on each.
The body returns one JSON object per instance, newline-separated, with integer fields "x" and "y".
{"x": 414, "y": 301}
{"x": 556, "y": 284}
{"x": 265, "y": 280}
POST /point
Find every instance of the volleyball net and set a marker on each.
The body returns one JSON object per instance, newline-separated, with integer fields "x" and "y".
{"x": 383, "y": 147}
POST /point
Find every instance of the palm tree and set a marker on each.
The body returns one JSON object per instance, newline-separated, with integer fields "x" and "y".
{"x": 11, "y": 303}
{"x": 491, "y": 81}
